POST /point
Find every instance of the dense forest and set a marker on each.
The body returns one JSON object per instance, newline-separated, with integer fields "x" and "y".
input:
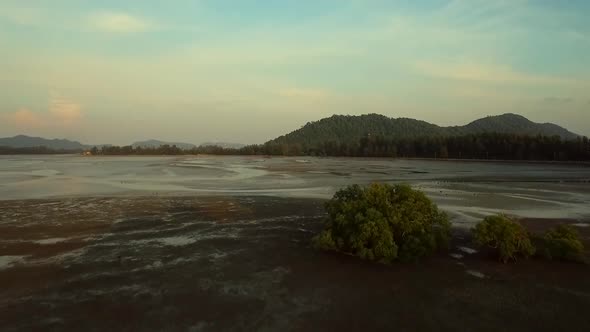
{"x": 350, "y": 128}
{"x": 490, "y": 146}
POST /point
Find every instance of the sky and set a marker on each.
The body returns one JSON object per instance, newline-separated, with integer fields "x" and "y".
{"x": 247, "y": 71}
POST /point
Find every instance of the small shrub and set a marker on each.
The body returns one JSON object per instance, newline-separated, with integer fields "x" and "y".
{"x": 505, "y": 235}
{"x": 563, "y": 242}
{"x": 383, "y": 223}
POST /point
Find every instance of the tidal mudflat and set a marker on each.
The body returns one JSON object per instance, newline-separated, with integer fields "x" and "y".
{"x": 223, "y": 244}
{"x": 466, "y": 190}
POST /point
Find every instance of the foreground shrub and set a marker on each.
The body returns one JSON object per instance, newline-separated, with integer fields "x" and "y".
{"x": 563, "y": 242}
{"x": 505, "y": 235}
{"x": 383, "y": 223}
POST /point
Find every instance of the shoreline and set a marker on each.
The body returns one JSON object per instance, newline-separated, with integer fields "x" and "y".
{"x": 487, "y": 161}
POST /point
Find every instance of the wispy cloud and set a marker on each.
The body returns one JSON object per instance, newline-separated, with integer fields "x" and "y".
{"x": 64, "y": 111}
{"x": 483, "y": 73}
{"x": 558, "y": 100}
{"x": 303, "y": 94}
{"x": 119, "y": 23}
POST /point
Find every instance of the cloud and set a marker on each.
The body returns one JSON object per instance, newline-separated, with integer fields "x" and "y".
{"x": 299, "y": 93}
{"x": 119, "y": 23}
{"x": 24, "y": 118}
{"x": 483, "y": 73}
{"x": 61, "y": 113}
{"x": 558, "y": 100}
{"x": 471, "y": 91}
{"x": 64, "y": 111}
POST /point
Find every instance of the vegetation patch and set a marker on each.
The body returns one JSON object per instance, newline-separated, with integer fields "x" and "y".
{"x": 383, "y": 223}
{"x": 563, "y": 243}
{"x": 506, "y": 236}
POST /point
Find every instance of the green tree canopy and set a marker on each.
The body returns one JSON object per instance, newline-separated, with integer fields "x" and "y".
{"x": 506, "y": 236}
{"x": 383, "y": 223}
{"x": 563, "y": 242}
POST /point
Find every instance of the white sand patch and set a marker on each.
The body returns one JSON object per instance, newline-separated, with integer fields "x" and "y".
{"x": 154, "y": 265}
{"x": 476, "y": 274}
{"x": 526, "y": 197}
{"x": 51, "y": 240}
{"x": 581, "y": 225}
{"x": 45, "y": 172}
{"x": 217, "y": 255}
{"x": 456, "y": 256}
{"x": 71, "y": 256}
{"x": 9, "y": 261}
{"x": 184, "y": 239}
{"x": 93, "y": 238}
{"x": 118, "y": 220}
{"x": 168, "y": 172}
{"x": 51, "y": 203}
{"x": 176, "y": 241}
{"x": 123, "y": 289}
{"x": 182, "y": 260}
{"x": 467, "y": 250}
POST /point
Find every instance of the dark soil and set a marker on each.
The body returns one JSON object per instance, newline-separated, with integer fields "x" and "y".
{"x": 245, "y": 264}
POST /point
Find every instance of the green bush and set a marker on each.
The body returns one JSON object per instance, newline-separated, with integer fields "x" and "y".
{"x": 563, "y": 242}
{"x": 383, "y": 223}
{"x": 505, "y": 235}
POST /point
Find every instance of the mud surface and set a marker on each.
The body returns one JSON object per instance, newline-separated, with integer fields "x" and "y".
{"x": 466, "y": 190}
{"x": 244, "y": 264}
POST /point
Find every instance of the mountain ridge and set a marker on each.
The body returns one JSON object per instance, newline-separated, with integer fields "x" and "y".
{"x": 344, "y": 128}
{"x": 24, "y": 141}
{"x": 349, "y": 128}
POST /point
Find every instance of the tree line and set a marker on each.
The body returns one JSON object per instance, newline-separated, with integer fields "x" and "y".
{"x": 491, "y": 146}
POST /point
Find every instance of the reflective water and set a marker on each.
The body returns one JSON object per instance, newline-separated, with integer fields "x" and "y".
{"x": 467, "y": 190}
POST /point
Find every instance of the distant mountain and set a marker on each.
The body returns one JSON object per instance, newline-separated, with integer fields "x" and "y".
{"x": 22, "y": 141}
{"x": 152, "y": 143}
{"x": 349, "y": 128}
{"x": 225, "y": 145}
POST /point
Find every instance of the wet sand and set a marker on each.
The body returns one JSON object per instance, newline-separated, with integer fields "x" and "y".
{"x": 466, "y": 190}
{"x": 244, "y": 263}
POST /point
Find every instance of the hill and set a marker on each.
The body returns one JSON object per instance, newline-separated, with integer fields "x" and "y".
{"x": 152, "y": 143}
{"x": 23, "y": 141}
{"x": 349, "y": 128}
{"x": 515, "y": 124}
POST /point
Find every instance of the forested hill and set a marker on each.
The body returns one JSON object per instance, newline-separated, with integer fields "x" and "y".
{"x": 515, "y": 124}
{"x": 348, "y": 129}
